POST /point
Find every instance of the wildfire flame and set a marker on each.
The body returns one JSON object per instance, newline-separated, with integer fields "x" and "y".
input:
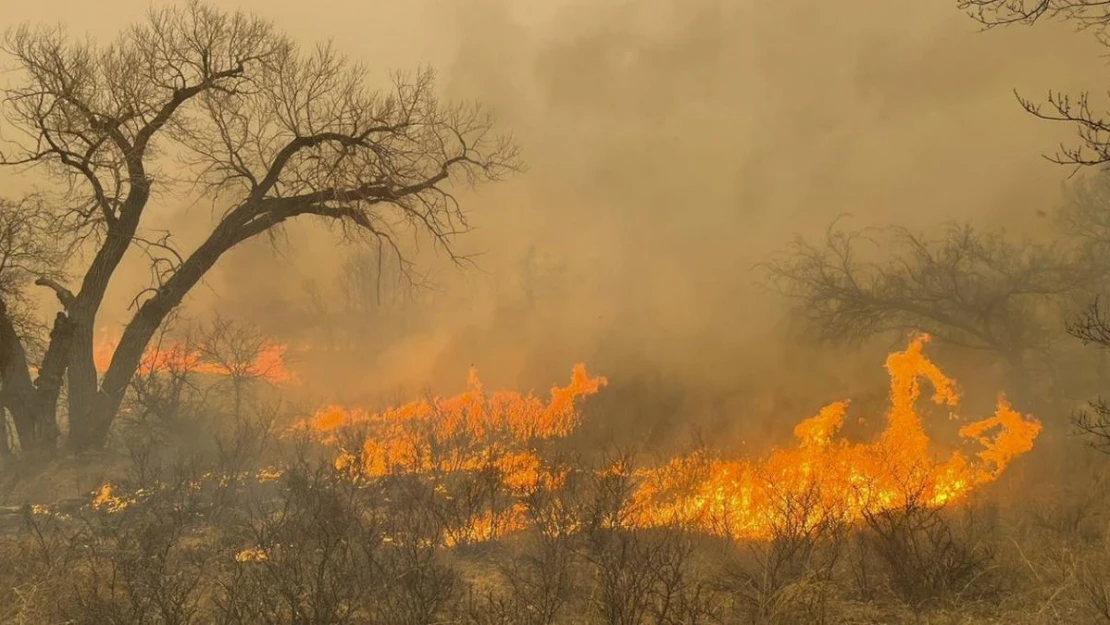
{"x": 828, "y": 478}
{"x": 470, "y": 431}
{"x": 824, "y": 478}
{"x": 106, "y": 499}
{"x": 269, "y": 363}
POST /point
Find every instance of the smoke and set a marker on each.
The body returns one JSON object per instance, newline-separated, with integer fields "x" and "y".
{"x": 670, "y": 146}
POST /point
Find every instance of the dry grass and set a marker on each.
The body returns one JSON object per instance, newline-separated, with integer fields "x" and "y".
{"x": 339, "y": 552}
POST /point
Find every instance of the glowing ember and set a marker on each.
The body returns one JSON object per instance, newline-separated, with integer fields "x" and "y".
{"x": 826, "y": 478}
{"x": 251, "y": 555}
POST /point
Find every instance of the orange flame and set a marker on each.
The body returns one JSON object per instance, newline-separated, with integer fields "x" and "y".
{"x": 469, "y": 431}
{"x": 826, "y": 478}
{"x": 823, "y": 479}
{"x": 268, "y": 364}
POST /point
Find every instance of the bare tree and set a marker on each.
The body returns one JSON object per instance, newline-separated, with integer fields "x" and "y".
{"x": 1088, "y": 13}
{"x": 27, "y": 253}
{"x": 968, "y": 288}
{"x": 378, "y": 296}
{"x": 542, "y": 277}
{"x": 1083, "y": 217}
{"x": 1086, "y": 217}
{"x": 373, "y": 281}
{"x": 236, "y": 350}
{"x": 1093, "y": 15}
{"x": 1084, "y": 223}
{"x": 267, "y": 131}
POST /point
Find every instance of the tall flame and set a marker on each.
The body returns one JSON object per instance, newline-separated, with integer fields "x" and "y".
{"x": 826, "y": 477}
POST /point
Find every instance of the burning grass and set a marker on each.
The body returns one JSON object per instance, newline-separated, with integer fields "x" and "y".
{"x": 465, "y": 432}
{"x": 833, "y": 476}
{"x": 824, "y": 479}
{"x": 459, "y": 509}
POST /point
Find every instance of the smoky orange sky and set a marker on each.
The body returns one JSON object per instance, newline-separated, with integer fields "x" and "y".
{"x": 670, "y": 145}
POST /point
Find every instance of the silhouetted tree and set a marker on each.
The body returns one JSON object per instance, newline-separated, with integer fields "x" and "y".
{"x": 967, "y": 288}
{"x": 1092, "y": 127}
{"x": 1087, "y": 216}
{"x": 266, "y": 131}
{"x": 27, "y": 253}
{"x": 379, "y": 295}
{"x": 1084, "y": 219}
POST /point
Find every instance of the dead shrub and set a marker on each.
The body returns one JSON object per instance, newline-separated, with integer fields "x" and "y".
{"x": 788, "y": 578}
{"x": 925, "y": 556}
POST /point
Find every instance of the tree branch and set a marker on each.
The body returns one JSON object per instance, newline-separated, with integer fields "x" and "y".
{"x": 65, "y": 296}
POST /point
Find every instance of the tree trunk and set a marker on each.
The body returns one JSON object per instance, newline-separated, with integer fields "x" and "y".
{"x": 33, "y": 403}
{"x": 82, "y": 378}
{"x": 90, "y": 427}
{"x": 85, "y": 432}
{"x": 94, "y": 419}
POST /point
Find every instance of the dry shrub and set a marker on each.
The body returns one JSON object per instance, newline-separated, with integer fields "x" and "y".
{"x": 638, "y": 575}
{"x": 334, "y": 550}
{"x": 177, "y": 411}
{"x": 322, "y": 545}
{"x": 788, "y": 578}
{"x": 927, "y": 556}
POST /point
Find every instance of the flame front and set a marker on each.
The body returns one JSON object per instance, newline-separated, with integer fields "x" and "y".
{"x": 829, "y": 478}
{"x": 471, "y": 432}
{"x": 824, "y": 478}
{"x": 468, "y": 432}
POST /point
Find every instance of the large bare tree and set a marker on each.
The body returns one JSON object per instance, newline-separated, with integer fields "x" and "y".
{"x": 197, "y": 98}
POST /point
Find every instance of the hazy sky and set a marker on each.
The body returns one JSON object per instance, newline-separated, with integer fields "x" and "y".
{"x": 671, "y": 144}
